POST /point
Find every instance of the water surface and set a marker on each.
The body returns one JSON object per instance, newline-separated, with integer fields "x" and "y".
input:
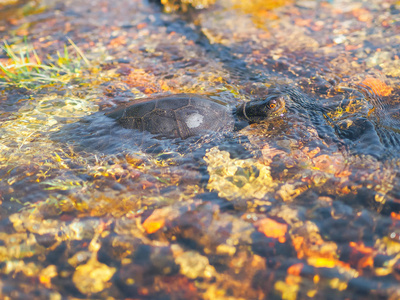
{"x": 304, "y": 205}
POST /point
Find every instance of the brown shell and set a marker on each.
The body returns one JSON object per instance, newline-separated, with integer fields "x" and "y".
{"x": 176, "y": 116}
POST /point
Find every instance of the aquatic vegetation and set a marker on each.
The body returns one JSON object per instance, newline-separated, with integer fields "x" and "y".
{"x": 25, "y": 68}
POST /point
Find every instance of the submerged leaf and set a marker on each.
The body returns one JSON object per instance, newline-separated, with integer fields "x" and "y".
{"x": 234, "y": 178}
{"x": 378, "y": 86}
{"x": 92, "y": 277}
{"x": 272, "y": 229}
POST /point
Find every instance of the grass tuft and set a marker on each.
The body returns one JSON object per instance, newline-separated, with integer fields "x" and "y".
{"x": 27, "y": 69}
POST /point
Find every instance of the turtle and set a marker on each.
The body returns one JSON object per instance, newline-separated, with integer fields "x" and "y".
{"x": 188, "y": 115}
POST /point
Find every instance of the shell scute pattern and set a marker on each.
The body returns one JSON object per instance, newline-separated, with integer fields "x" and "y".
{"x": 177, "y": 116}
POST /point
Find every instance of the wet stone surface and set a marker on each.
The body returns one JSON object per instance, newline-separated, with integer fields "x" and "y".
{"x": 301, "y": 204}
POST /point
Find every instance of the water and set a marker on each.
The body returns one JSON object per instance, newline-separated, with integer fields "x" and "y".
{"x": 303, "y": 205}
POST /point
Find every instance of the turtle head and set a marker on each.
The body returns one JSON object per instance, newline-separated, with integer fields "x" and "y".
{"x": 255, "y": 111}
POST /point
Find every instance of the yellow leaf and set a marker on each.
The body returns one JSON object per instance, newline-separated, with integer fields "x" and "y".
{"x": 157, "y": 219}
{"x": 92, "y": 277}
{"x": 321, "y": 262}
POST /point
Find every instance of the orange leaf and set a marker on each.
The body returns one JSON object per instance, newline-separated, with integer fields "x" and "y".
{"x": 361, "y": 248}
{"x": 324, "y": 262}
{"x": 395, "y": 216}
{"x": 345, "y": 190}
{"x": 118, "y": 41}
{"x": 352, "y": 47}
{"x": 302, "y": 22}
{"x": 322, "y": 161}
{"x": 379, "y": 87}
{"x": 272, "y": 229}
{"x": 141, "y": 25}
{"x": 363, "y": 15}
{"x": 298, "y": 244}
{"x": 311, "y": 153}
{"x": 22, "y": 32}
{"x": 153, "y": 226}
{"x": 366, "y": 262}
{"x": 155, "y": 222}
{"x": 295, "y": 269}
{"x": 343, "y": 173}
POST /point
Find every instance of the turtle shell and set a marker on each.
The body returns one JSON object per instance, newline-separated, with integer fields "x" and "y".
{"x": 176, "y": 116}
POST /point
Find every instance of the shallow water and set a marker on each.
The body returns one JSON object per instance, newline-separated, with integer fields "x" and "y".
{"x": 302, "y": 205}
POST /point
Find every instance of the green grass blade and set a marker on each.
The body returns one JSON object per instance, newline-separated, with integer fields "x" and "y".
{"x": 10, "y": 52}
{"x": 23, "y": 61}
{"x": 25, "y": 68}
{"x": 66, "y": 56}
{"x": 79, "y": 51}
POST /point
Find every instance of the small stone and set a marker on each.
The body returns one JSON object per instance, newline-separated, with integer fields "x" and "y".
{"x": 194, "y": 265}
{"x": 307, "y": 4}
{"x": 339, "y": 39}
